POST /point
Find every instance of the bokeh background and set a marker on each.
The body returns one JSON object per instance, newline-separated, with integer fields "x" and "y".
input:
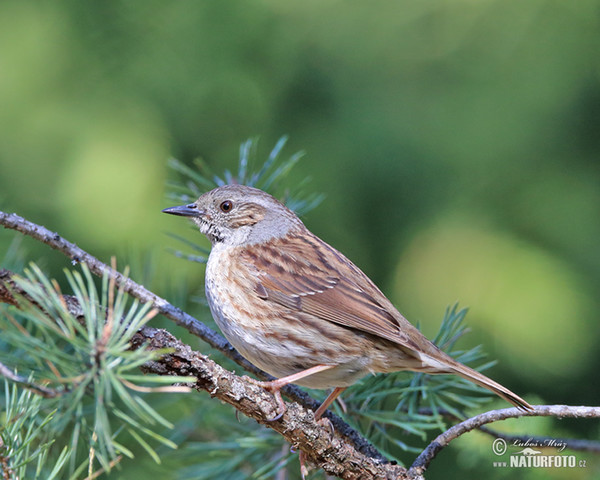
{"x": 457, "y": 144}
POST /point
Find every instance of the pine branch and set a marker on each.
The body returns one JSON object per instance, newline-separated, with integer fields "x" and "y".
{"x": 331, "y": 450}
{"x": 328, "y": 449}
{"x": 22, "y": 436}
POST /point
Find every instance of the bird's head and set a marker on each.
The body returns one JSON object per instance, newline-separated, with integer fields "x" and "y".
{"x": 238, "y": 214}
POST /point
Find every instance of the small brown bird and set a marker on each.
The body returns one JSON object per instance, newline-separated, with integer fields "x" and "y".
{"x": 300, "y": 310}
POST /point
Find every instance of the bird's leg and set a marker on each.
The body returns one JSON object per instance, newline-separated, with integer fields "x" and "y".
{"x": 328, "y": 401}
{"x": 275, "y": 386}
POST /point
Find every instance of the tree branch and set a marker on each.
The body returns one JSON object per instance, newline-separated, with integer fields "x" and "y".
{"x": 331, "y": 451}
{"x": 560, "y": 411}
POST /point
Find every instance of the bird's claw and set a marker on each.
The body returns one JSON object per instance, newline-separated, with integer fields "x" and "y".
{"x": 326, "y": 423}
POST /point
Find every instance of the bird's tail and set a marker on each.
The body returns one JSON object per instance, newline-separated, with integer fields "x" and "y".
{"x": 451, "y": 366}
{"x": 491, "y": 385}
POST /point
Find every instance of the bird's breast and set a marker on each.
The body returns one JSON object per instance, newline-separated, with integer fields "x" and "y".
{"x": 274, "y": 338}
{"x": 244, "y": 318}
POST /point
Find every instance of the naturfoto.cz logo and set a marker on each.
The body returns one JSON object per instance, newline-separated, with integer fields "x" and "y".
{"x": 529, "y": 457}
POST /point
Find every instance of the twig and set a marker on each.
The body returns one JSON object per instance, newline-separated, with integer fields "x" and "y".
{"x": 573, "y": 443}
{"x": 560, "y": 411}
{"x": 38, "y": 389}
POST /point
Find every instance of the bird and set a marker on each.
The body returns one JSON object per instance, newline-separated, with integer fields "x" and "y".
{"x": 297, "y": 308}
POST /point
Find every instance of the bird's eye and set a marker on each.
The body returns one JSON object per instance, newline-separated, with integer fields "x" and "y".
{"x": 226, "y": 206}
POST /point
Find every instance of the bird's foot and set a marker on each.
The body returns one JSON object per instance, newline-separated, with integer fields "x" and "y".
{"x": 273, "y": 387}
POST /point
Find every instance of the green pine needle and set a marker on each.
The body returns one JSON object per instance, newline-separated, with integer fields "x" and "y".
{"x": 87, "y": 362}
{"x": 24, "y": 447}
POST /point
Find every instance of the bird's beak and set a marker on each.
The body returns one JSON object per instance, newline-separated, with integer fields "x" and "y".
{"x": 190, "y": 210}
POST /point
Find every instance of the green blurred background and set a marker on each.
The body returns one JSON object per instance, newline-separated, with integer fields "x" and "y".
{"x": 457, "y": 144}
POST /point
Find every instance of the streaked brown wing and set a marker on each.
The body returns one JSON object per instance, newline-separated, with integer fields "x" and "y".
{"x": 303, "y": 273}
